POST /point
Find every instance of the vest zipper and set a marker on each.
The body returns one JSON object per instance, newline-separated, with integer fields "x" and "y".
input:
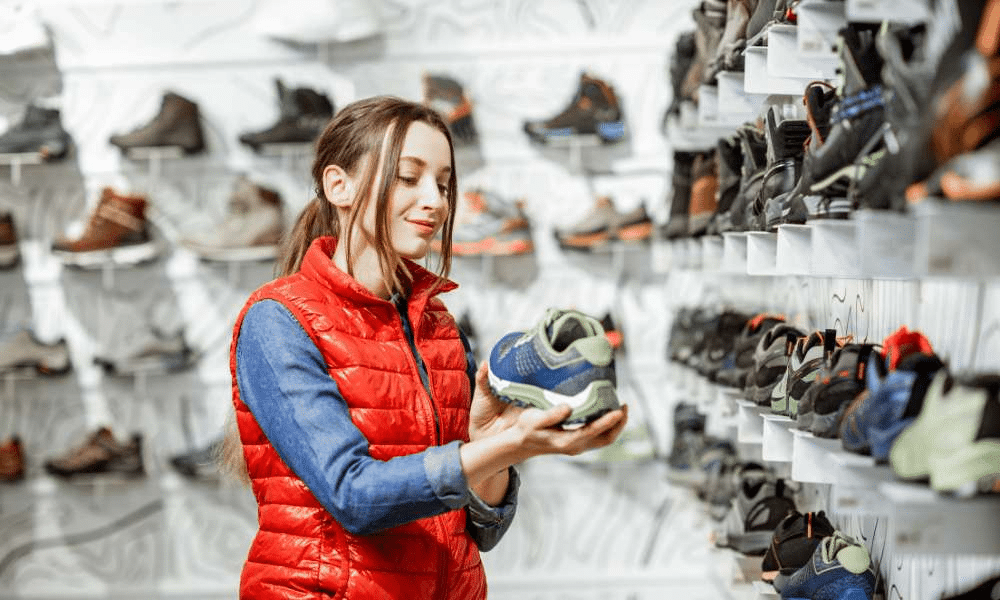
{"x": 411, "y": 338}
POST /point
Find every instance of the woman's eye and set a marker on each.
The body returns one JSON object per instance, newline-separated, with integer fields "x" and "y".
{"x": 407, "y": 180}
{"x": 443, "y": 188}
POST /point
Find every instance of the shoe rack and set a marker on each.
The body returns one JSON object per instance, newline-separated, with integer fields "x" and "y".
{"x": 935, "y": 267}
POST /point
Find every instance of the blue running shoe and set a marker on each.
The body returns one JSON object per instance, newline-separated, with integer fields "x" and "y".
{"x": 892, "y": 400}
{"x": 840, "y": 569}
{"x": 565, "y": 359}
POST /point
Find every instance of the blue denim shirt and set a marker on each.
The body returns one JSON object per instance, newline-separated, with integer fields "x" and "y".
{"x": 283, "y": 380}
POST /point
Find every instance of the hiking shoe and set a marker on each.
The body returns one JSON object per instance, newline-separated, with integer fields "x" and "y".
{"x": 592, "y": 230}
{"x": 838, "y": 385}
{"x": 955, "y": 440}
{"x": 770, "y": 362}
{"x": 632, "y": 226}
{"x": 251, "y": 230}
{"x": 839, "y": 569}
{"x": 564, "y": 359}
{"x": 680, "y": 195}
{"x": 158, "y": 354}
{"x": 100, "y": 454}
{"x": 785, "y": 140}
{"x": 200, "y": 463}
{"x": 116, "y": 232}
{"x": 493, "y": 226}
{"x": 446, "y": 95}
{"x": 680, "y": 62}
{"x": 11, "y": 461}
{"x": 736, "y": 366}
{"x": 758, "y": 508}
{"x": 10, "y": 252}
{"x": 40, "y": 131}
{"x": 303, "y": 113}
{"x": 729, "y": 161}
{"x": 177, "y": 124}
{"x": 720, "y": 341}
{"x": 704, "y": 189}
{"x": 593, "y": 111}
{"x": 22, "y": 351}
{"x": 793, "y": 544}
{"x": 890, "y": 403}
{"x": 753, "y": 151}
{"x": 804, "y": 364}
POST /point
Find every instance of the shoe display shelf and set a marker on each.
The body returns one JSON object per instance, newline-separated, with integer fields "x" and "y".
{"x": 900, "y": 11}
{"x": 921, "y": 520}
{"x": 819, "y": 22}
{"x": 934, "y": 239}
{"x": 17, "y": 162}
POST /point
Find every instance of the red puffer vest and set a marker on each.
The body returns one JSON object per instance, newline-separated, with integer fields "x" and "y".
{"x": 300, "y": 551}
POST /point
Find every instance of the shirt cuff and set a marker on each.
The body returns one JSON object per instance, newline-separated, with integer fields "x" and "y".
{"x": 443, "y": 467}
{"x": 484, "y": 515}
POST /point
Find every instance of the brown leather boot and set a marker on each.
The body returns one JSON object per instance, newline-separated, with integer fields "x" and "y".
{"x": 10, "y": 254}
{"x": 101, "y": 454}
{"x": 704, "y": 190}
{"x": 11, "y": 461}
{"x": 117, "y": 232}
{"x": 176, "y": 125}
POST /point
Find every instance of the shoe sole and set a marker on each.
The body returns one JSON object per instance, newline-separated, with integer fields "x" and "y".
{"x": 598, "y": 398}
{"x": 125, "y": 255}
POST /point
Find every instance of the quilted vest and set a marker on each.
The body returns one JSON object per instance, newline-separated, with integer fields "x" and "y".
{"x": 300, "y": 551}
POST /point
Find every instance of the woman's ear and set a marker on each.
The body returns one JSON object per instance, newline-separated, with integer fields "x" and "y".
{"x": 338, "y": 187}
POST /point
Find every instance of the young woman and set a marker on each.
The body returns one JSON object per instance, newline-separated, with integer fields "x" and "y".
{"x": 381, "y": 463}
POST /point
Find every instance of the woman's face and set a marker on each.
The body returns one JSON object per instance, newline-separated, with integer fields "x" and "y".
{"x": 419, "y": 203}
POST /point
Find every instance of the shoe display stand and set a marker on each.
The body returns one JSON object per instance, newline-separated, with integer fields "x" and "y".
{"x": 934, "y": 267}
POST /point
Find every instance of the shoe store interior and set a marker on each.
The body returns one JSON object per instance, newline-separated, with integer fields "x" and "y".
{"x": 780, "y": 215}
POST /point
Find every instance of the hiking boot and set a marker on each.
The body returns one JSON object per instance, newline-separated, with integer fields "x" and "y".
{"x": 737, "y": 365}
{"x": 955, "y": 440}
{"x": 593, "y": 111}
{"x": 591, "y": 231}
{"x": 11, "y": 461}
{"x": 160, "y": 354}
{"x": 838, "y": 385}
{"x": 22, "y": 351}
{"x": 729, "y": 51}
{"x": 758, "y": 508}
{"x": 303, "y": 113}
{"x": 680, "y": 195}
{"x": 839, "y": 568}
{"x": 201, "y": 463}
{"x": 10, "y": 252}
{"x": 445, "y": 95}
{"x": 704, "y": 187}
{"x": 177, "y": 124}
{"x": 494, "y": 226}
{"x": 793, "y": 544}
{"x": 770, "y": 362}
{"x": 565, "y": 358}
{"x": 680, "y": 62}
{"x": 100, "y": 454}
{"x": 251, "y": 230}
{"x": 804, "y": 365}
{"x": 785, "y": 140}
{"x": 754, "y": 154}
{"x": 117, "y": 232}
{"x": 729, "y": 161}
{"x": 40, "y": 131}
{"x": 720, "y": 342}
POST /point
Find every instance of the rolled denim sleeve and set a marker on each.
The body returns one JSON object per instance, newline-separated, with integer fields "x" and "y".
{"x": 283, "y": 379}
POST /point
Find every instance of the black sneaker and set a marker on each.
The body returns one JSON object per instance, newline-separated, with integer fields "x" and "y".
{"x": 198, "y": 464}
{"x": 792, "y": 545}
{"x": 304, "y": 112}
{"x": 593, "y": 111}
{"x": 785, "y": 147}
{"x": 40, "y": 131}
{"x": 177, "y": 124}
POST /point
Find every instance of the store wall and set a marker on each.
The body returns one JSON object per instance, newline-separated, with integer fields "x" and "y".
{"x": 110, "y": 65}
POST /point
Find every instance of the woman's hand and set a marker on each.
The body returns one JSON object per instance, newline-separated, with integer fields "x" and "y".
{"x": 537, "y": 431}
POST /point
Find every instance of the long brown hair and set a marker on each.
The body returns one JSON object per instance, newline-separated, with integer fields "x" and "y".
{"x": 364, "y": 138}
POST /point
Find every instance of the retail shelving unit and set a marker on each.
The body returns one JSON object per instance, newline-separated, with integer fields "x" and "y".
{"x": 933, "y": 268}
